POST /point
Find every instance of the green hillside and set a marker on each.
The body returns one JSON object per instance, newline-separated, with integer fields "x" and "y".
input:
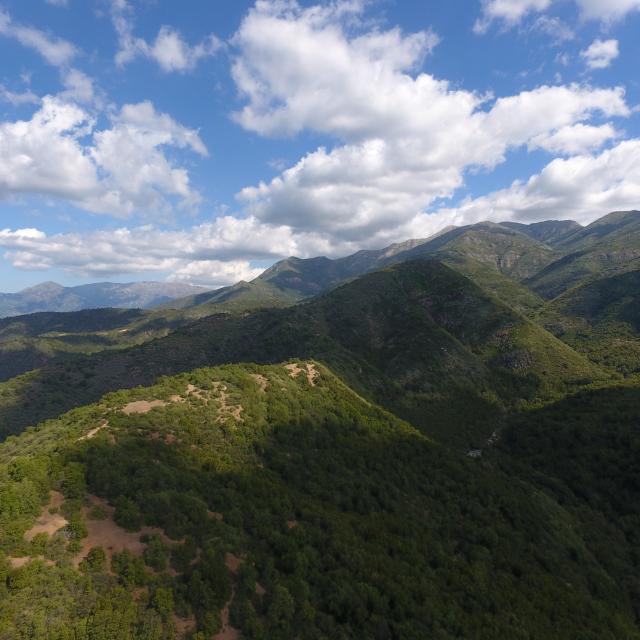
{"x": 276, "y": 502}
{"x": 418, "y": 338}
{"x": 602, "y": 320}
{"x": 608, "y": 246}
{"x": 511, "y": 252}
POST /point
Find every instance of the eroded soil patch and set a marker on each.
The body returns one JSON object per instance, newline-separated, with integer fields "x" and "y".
{"x": 142, "y": 406}
{"x": 310, "y": 371}
{"x": 111, "y": 537}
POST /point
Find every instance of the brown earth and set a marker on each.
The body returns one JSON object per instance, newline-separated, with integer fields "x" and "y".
{"x": 184, "y": 626}
{"x": 111, "y": 537}
{"x": 16, "y": 563}
{"x": 142, "y": 406}
{"x": 311, "y": 372}
{"x": 261, "y": 380}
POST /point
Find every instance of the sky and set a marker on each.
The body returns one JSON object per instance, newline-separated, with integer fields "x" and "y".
{"x": 201, "y": 141}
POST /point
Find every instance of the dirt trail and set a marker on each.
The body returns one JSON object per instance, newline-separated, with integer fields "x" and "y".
{"x": 94, "y": 432}
{"x": 48, "y": 523}
{"x": 226, "y": 410}
{"x": 232, "y": 562}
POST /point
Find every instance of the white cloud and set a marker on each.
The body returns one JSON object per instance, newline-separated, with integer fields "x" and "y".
{"x": 408, "y": 137}
{"x": 55, "y": 51}
{"x": 575, "y": 139}
{"x": 215, "y": 273}
{"x": 216, "y": 253}
{"x": 144, "y": 116}
{"x": 44, "y": 156}
{"x": 58, "y": 3}
{"x": 119, "y": 170}
{"x": 555, "y": 28}
{"x": 600, "y": 53}
{"x": 582, "y": 188}
{"x": 17, "y": 98}
{"x": 607, "y": 10}
{"x": 168, "y": 50}
{"x": 511, "y": 12}
{"x": 172, "y": 53}
{"x": 78, "y": 86}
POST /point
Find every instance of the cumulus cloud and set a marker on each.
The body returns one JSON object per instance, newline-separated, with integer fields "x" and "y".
{"x": 408, "y": 137}
{"x": 119, "y": 170}
{"x": 582, "y": 187}
{"x": 215, "y": 253}
{"x": 17, "y": 98}
{"x": 575, "y": 139}
{"x": 168, "y": 50}
{"x": 512, "y": 12}
{"x": 600, "y": 53}
{"x": 54, "y": 50}
{"x": 607, "y": 10}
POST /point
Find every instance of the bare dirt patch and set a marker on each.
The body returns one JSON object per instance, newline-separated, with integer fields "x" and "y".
{"x": 196, "y": 392}
{"x": 16, "y": 563}
{"x": 228, "y": 632}
{"x": 226, "y": 410}
{"x": 233, "y": 562}
{"x": 292, "y": 524}
{"x": 184, "y": 626}
{"x": 261, "y": 380}
{"x": 142, "y": 406}
{"x": 310, "y": 371}
{"x": 48, "y": 522}
{"x": 112, "y": 538}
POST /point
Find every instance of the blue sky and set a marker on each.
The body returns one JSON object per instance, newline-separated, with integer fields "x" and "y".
{"x": 201, "y": 141}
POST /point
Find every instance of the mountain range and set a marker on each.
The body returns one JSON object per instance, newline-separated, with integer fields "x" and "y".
{"x": 50, "y": 296}
{"x": 438, "y": 439}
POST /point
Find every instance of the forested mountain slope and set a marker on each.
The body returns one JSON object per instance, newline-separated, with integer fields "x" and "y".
{"x": 275, "y": 502}
{"x": 418, "y": 337}
{"x": 601, "y": 319}
{"x": 608, "y": 246}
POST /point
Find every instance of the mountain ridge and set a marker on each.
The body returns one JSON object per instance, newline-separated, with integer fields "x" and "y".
{"x": 51, "y": 296}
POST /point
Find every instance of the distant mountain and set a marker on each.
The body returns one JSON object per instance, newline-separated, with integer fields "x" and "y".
{"x": 485, "y": 252}
{"x": 50, "y": 296}
{"x": 550, "y": 231}
{"x": 521, "y": 264}
{"x": 606, "y": 247}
